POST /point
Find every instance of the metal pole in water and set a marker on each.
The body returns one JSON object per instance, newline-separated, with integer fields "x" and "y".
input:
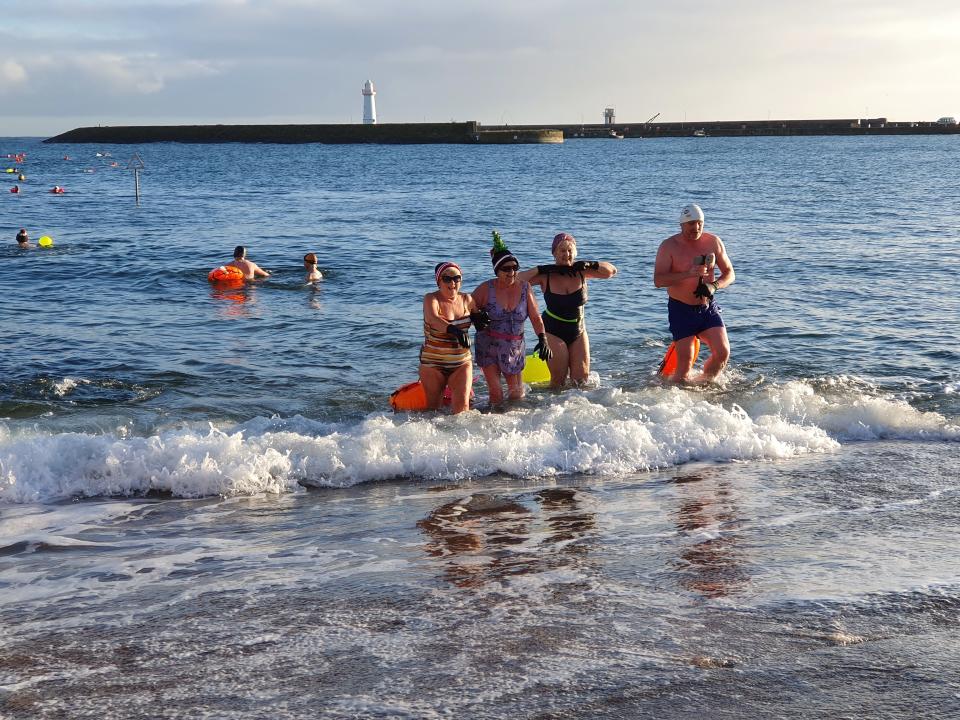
{"x": 136, "y": 164}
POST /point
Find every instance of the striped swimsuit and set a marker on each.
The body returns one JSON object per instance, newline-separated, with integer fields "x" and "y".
{"x": 442, "y": 351}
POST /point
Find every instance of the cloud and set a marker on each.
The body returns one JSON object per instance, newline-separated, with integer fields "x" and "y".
{"x": 143, "y": 74}
{"x": 536, "y": 61}
{"x": 11, "y": 74}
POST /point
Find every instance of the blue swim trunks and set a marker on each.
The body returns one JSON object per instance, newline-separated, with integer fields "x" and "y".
{"x": 687, "y": 320}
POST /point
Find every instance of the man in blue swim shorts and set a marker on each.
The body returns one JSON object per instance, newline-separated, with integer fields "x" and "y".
{"x": 686, "y": 266}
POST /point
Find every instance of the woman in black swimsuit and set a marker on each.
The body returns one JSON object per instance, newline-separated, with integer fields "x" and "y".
{"x": 564, "y": 287}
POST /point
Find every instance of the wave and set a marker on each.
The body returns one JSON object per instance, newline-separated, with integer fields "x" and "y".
{"x": 606, "y": 431}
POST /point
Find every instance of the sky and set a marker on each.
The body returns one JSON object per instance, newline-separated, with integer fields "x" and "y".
{"x": 75, "y": 63}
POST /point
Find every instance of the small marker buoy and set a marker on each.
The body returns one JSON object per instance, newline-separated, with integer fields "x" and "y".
{"x": 45, "y": 241}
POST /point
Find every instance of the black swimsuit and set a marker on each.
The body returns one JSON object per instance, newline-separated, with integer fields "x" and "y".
{"x": 564, "y": 315}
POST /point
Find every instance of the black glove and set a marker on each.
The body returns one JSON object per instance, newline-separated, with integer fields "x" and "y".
{"x": 541, "y": 349}
{"x": 580, "y": 265}
{"x": 461, "y": 337}
{"x": 480, "y": 319}
{"x": 705, "y": 290}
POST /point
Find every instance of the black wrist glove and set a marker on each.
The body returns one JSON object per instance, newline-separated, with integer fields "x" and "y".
{"x": 580, "y": 265}
{"x": 705, "y": 290}
{"x": 547, "y": 269}
{"x": 480, "y": 319}
{"x": 461, "y": 337}
{"x": 541, "y": 349}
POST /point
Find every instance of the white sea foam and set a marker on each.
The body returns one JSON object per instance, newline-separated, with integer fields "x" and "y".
{"x": 604, "y": 431}
{"x": 65, "y": 386}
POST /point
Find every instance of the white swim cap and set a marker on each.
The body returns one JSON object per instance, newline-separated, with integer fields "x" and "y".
{"x": 690, "y": 213}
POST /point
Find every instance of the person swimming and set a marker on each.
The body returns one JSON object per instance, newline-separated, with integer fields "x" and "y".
{"x": 23, "y": 239}
{"x": 250, "y": 269}
{"x": 310, "y": 264}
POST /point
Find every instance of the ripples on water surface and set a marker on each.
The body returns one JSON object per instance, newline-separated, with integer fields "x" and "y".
{"x": 780, "y": 545}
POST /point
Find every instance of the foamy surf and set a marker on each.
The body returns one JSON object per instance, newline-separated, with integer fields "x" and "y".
{"x": 604, "y": 431}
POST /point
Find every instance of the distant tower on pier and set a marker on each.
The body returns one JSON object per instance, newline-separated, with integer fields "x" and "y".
{"x": 369, "y": 104}
{"x": 609, "y": 117}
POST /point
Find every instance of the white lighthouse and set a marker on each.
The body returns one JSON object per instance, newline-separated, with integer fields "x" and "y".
{"x": 369, "y": 104}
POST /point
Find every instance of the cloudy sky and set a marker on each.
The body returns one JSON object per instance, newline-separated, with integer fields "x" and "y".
{"x": 68, "y": 63}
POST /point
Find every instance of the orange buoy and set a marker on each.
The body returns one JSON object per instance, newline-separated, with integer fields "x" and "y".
{"x": 413, "y": 398}
{"x": 225, "y": 273}
{"x": 410, "y": 398}
{"x": 668, "y": 366}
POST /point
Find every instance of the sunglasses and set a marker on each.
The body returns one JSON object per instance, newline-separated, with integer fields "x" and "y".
{"x": 452, "y": 278}
{"x": 509, "y": 268}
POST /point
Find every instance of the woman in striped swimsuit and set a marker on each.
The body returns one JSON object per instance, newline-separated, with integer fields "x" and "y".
{"x": 445, "y": 356}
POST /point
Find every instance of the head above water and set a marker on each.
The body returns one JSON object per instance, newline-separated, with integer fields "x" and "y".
{"x": 22, "y": 237}
{"x": 691, "y": 213}
{"x": 310, "y": 259}
{"x": 239, "y": 252}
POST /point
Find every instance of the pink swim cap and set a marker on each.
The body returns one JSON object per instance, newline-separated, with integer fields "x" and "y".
{"x": 559, "y": 238}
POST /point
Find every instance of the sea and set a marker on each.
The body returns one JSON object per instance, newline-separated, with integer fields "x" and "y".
{"x": 209, "y": 510}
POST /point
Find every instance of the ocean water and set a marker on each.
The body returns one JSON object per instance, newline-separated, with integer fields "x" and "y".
{"x": 208, "y": 510}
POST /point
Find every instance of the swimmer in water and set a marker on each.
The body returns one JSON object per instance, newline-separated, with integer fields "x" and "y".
{"x": 685, "y": 266}
{"x": 23, "y": 240}
{"x": 505, "y": 306}
{"x": 564, "y": 287}
{"x": 445, "y": 359}
{"x": 250, "y": 269}
{"x": 310, "y": 265}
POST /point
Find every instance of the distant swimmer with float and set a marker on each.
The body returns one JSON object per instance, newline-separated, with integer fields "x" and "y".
{"x": 249, "y": 268}
{"x": 564, "y": 287}
{"x": 445, "y": 359}
{"x": 508, "y": 303}
{"x": 23, "y": 239}
{"x": 235, "y": 273}
{"x": 686, "y": 266}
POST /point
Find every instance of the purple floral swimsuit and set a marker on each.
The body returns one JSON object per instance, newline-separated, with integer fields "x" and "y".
{"x": 502, "y": 343}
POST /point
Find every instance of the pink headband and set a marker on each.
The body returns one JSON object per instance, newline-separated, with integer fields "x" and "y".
{"x": 442, "y": 267}
{"x": 559, "y": 238}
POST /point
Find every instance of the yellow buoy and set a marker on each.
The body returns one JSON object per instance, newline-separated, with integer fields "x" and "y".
{"x": 45, "y": 241}
{"x": 11, "y": 170}
{"x": 535, "y": 370}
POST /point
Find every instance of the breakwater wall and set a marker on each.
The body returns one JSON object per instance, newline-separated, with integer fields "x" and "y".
{"x": 390, "y": 133}
{"x": 758, "y": 128}
{"x": 472, "y": 133}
